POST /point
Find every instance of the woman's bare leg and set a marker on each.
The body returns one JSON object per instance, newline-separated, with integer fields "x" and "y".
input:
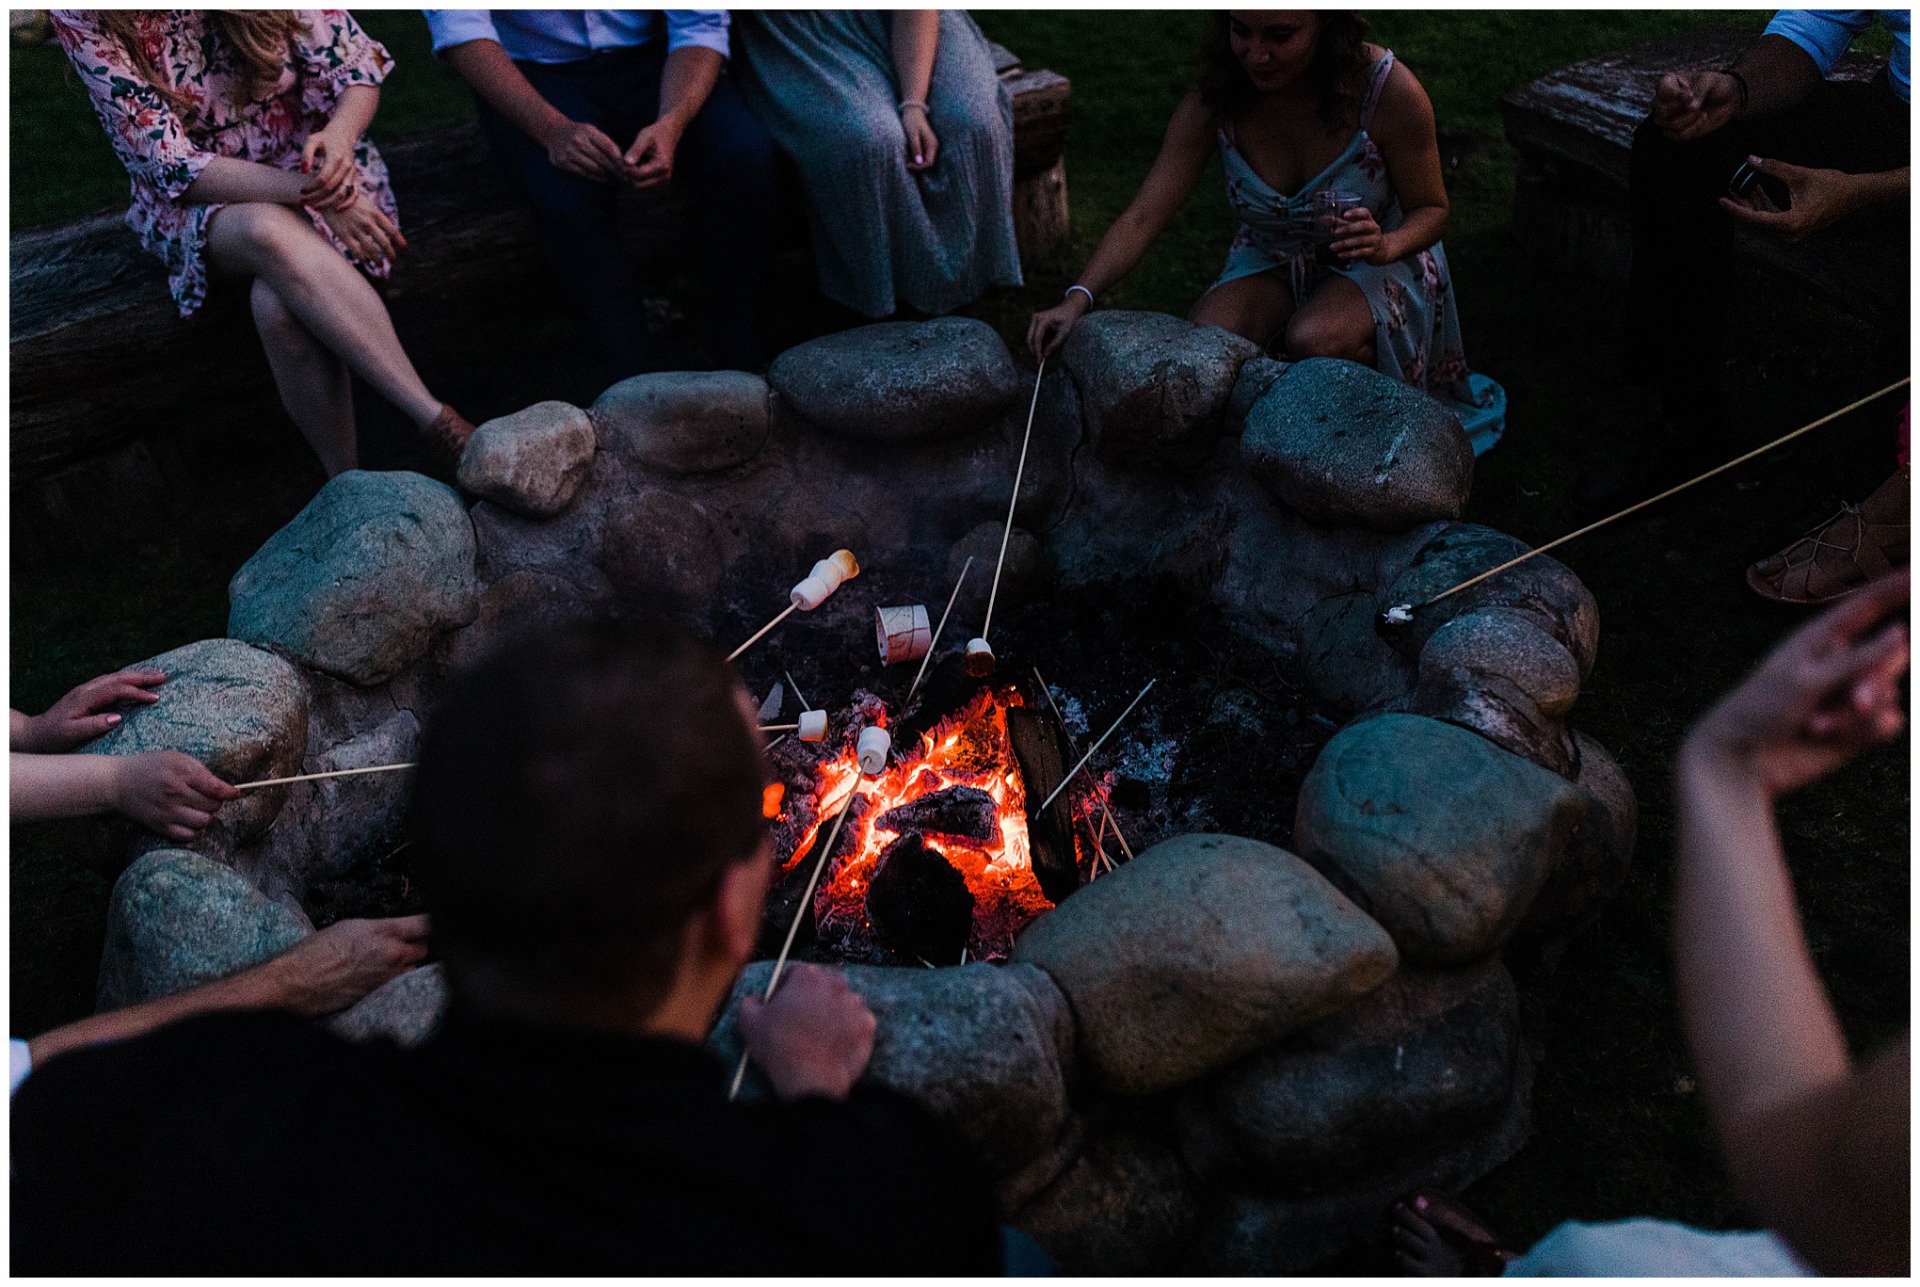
{"x": 1255, "y": 307}
{"x": 326, "y": 293}
{"x": 1335, "y": 322}
{"x": 314, "y": 385}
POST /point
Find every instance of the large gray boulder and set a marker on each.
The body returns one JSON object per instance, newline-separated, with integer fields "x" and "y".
{"x": 1595, "y": 863}
{"x": 1154, "y": 388}
{"x": 363, "y": 579}
{"x": 1255, "y": 378}
{"x": 987, "y": 1048}
{"x": 1541, "y": 589}
{"x": 176, "y": 920}
{"x": 900, "y": 381}
{"x": 1201, "y": 950}
{"x": 1341, "y": 444}
{"x": 686, "y": 422}
{"x": 1442, "y": 836}
{"x": 531, "y": 462}
{"x": 240, "y": 710}
{"x": 1125, "y": 1206}
{"x": 1422, "y": 1061}
{"x": 1511, "y": 645}
{"x": 404, "y": 1010}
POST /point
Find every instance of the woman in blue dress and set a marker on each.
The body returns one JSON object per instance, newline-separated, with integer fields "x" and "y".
{"x": 1298, "y": 105}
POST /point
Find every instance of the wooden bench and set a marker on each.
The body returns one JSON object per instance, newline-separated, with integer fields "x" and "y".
{"x": 106, "y": 375}
{"x": 1574, "y": 132}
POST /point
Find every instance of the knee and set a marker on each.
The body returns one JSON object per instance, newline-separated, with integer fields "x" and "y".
{"x": 1318, "y": 335}
{"x": 265, "y": 234}
{"x": 276, "y": 325}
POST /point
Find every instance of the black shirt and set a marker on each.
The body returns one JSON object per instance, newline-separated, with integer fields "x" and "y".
{"x": 261, "y": 1144}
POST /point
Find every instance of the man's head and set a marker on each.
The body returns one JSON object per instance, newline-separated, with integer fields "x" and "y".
{"x": 588, "y": 812}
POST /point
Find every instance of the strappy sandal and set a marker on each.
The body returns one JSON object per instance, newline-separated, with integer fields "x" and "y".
{"x": 447, "y": 436}
{"x": 1481, "y": 1255}
{"x": 1795, "y": 575}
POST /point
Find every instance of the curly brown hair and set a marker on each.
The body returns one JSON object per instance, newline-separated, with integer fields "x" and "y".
{"x": 263, "y": 39}
{"x": 1227, "y": 90}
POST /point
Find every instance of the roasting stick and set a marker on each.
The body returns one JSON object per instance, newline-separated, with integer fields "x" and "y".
{"x": 778, "y": 728}
{"x": 784, "y": 614}
{"x": 1097, "y": 745}
{"x": 1106, "y": 814}
{"x": 315, "y": 777}
{"x": 1400, "y": 615}
{"x": 951, "y": 599}
{"x": 796, "y": 689}
{"x": 979, "y": 648}
{"x": 799, "y": 910}
{"x": 813, "y": 590}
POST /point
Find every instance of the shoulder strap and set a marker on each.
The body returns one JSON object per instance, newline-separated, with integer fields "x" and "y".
{"x": 1372, "y": 100}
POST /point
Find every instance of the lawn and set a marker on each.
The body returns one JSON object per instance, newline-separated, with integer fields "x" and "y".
{"x": 1619, "y": 1128}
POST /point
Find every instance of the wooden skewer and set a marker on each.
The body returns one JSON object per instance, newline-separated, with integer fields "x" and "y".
{"x": 935, "y": 643}
{"x": 1106, "y": 814}
{"x": 1013, "y": 504}
{"x": 762, "y": 630}
{"x": 1631, "y": 509}
{"x": 315, "y": 777}
{"x": 778, "y": 728}
{"x": 799, "y": 910}
{"x": 776, "y": 741}
{"x": 797, "y": 695}
{"x": 1096, "y": 746}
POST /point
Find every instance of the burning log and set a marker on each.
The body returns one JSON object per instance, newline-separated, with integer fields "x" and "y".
{"x": 1040, "y": 745}
{"x": 962, "y": 812}
{"x": 919, "y": 903}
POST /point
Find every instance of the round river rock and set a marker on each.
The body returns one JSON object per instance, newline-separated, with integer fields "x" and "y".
{"x": 1154, "y": 388}
{"x": 1202, "y": 949}
{"x": 901, "y": 381}
{"x": 686, "y": 422}
{"x": 531, "y": 462}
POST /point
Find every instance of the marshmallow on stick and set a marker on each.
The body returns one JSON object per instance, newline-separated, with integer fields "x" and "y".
{"x": 813, "y": 726}
{"x": 828, "y": 575}
{"x": 980, "y": 658}
{"x": 873, "y": 747}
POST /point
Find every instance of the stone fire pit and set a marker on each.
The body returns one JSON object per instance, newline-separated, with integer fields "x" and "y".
{"x": 1223, "y": 1056}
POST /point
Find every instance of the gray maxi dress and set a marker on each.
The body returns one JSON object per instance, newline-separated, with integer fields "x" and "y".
{"x": 823, "y": 83}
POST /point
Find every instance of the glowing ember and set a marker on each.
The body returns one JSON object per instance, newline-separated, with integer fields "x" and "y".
{"x": 968, "y": 749}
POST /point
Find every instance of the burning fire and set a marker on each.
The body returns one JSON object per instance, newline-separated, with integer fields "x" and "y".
{"x": 970, "y": 748}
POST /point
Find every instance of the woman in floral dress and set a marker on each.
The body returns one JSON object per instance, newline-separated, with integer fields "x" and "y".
{"x": 242, "y": 133}
{"x": 1298, "y": 104}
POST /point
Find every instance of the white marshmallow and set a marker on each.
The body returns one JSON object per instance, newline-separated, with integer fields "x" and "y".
{"x": 980, "y": 658}
{"x": 813, "y": 726}
{"x": 811, "y": 593}
{"x": 872, "y": 748}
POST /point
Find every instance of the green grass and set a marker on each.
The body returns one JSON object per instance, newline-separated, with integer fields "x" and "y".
{"x": 1618, "y": 1131}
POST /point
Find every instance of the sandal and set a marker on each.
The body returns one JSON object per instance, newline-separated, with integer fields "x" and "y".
{"x": 447, "y": 436}
{"x": 1480, "y": 1254}
{"x": 1796, "y": 575}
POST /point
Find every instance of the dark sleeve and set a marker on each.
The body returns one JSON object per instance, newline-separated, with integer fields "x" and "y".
{"x": 904, "y": 1188}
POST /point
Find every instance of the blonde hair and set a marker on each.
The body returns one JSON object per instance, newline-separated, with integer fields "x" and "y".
{"x": 261, "y": 37}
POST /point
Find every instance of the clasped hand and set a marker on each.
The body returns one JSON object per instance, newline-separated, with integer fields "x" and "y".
{"x": 1816, "y": 199}
{"x": 584, "y": 150}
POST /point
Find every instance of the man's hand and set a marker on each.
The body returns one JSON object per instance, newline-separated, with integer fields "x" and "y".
{"x": 344, "y": 962}
{"x": 1691, "y": 105}
{"x": 813, "y": 1038}
{"x": 1829, "y": 692}
{"x": 1816, "y": 199}
{"x": 166, "y": 791}
{"x": 649, "y": 161}
{"x": 82, "y": 714}
{"x": 584, "y": 150}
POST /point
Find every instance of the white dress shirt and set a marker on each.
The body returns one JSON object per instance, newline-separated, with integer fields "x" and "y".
{"x": 569, "y": 35}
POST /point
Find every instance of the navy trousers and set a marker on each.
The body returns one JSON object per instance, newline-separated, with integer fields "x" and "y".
{"x": 725, "y": 162}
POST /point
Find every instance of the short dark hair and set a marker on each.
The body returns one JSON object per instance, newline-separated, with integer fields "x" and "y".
{"x": 580, "y": 793}
{"x": 1227, "y": 91}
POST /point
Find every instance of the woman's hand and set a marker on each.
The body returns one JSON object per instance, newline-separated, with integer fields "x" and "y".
{"x": 923, "y": 145}
{"x": 166, "y": 791}
{"x": 82, "y": 714}
{"x": 328, "y": 158}
{"x": 1829, "y": 692}
{"x": 1357, "y": 239}
{"x": 1048, "y": 329}
{"x": 365, "y": 230}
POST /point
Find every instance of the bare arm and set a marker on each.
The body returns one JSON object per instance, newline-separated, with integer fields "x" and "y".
{"x": 322, "y": 973}
{"x": 1818, "y": 1149}
{"x": 1176, "y": 172}
{"x": 573, "y": 146}
{"x": 1403, "y": 128}
{"x": 166, "y": 791}
{"x": 916, "y": 39}
{"x": 228, "y": 179}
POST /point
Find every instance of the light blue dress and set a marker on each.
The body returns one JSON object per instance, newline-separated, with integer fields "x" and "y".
{"x": 1416, "y": 326}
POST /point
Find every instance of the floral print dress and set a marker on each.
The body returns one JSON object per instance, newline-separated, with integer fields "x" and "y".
{"x": 1416, "y": 326}
{"x": 164, "y": 154}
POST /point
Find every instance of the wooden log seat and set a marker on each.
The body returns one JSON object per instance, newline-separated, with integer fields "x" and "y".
{"x": 105, "y": 371}
{"x": 1573, "y": 129}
